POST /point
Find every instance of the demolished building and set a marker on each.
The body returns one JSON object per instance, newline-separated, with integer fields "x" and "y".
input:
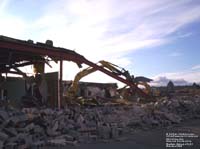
{"x": 93, "y": 90}
{"x": 19, "y": 53}
{"x": 41, "y": 126}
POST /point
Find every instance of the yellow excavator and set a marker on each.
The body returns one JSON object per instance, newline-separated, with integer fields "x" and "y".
{"x": 116, "y": 70}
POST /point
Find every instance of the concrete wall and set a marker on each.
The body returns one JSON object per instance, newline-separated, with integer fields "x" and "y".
{"x": 15, "y": 88}
{"x": 52, "y": 83}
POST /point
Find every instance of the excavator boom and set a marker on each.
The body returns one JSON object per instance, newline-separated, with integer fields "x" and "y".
{"x": 111, "y": 70}
{"x": 74, "y": 87}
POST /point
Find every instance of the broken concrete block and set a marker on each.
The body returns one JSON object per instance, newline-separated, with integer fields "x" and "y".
{"x": 74, "y": 143}
{"x": 80, "y": 119}
{"x": 38, "y": 136}
{"x": 93, "y": 137}
{"x": 18, "y": 119}
{"x": 11, "y": 145}
{"x": 1, "y": 144}
{"x": 104, "y": 131}
{"x": 38, "y": 144}
{"x": 10, "y": 131}
{"x": 75, "y": 134}
{"x": 173, "y": 117}
{"x": 51, "y": 132}
{"x": 84, "y": 138}
{"x": 135, "y": 122}
{"x": 29, "y": 127}
{"x": 55, "y": 126}
{"x": 38, "y": 129}
{"x": 138, "y": 110}
{"x": 57, "y": 141}
{"x": 67, "y": 137}
{"x": 4, "y": 115}
{"x": 28, "y": 140}
{"x": 3, "y": 136}
{"x": 114, "y": 132}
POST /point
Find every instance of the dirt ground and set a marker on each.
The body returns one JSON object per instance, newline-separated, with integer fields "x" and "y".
{"x": 148, "y": 139}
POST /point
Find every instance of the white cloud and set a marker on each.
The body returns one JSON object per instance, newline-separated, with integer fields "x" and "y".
{"x": 10, "y": 24}
{"x": 196, "y": 67}
{"x": 184, "y": 35}
{"x": 3, "y": 4}
{"x": 180, "y": 78}
{"x": 103, "y": 29}
{"x": 163, "y": 81}
{"x": 176, "y": 54}
{"x": 113, "y": 27}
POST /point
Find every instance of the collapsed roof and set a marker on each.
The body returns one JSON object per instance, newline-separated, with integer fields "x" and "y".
{"x": 16, "y": 53}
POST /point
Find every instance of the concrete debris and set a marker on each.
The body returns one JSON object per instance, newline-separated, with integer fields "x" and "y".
{"x": 33, "y": 127}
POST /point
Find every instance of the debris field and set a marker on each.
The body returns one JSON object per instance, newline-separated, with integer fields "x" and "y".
{"x": 39, "y": 109}
{"x": 35, "y": 128}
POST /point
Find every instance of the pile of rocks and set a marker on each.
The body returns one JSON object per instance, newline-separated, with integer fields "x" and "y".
{"x": 33, "y": 127}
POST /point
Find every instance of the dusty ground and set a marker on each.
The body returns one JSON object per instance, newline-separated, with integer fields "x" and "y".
{"x": 147, "y": 139}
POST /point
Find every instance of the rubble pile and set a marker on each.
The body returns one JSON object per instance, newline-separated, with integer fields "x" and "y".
{"x": 31, "y": 127}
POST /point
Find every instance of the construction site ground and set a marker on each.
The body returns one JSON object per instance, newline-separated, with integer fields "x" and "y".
{"x": 144, "y": 139}
{"x": 153, "y": 125}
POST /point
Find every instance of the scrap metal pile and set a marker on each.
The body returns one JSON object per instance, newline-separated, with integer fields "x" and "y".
{"x": 31, "y": 127}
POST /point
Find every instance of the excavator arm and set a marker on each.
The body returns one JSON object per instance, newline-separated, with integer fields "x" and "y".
{"x": 73, "y": 89}
{"x": 115, "y": 70}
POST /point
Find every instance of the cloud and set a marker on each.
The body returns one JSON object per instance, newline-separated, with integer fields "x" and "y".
{"x": 109, "y": 29}
{"x": 3, "y": 4}
{"x": 184, "y": 35}
{"x": 11, "y": 25}
{"x": 179, "y": 78}
{"x": 113, "y": 27}
{"x": 106, "y": 27}
{"x": 176, "y": 54}
{"x": 163, "y": 81}
{"x": 196, "y": 67}
{"x": 102, "y": 29}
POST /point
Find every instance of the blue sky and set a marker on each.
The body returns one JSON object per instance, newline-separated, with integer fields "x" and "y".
{"x": 153, "y": 38}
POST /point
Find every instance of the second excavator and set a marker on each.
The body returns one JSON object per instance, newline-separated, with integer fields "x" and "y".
{"x": 118, "y": 72}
